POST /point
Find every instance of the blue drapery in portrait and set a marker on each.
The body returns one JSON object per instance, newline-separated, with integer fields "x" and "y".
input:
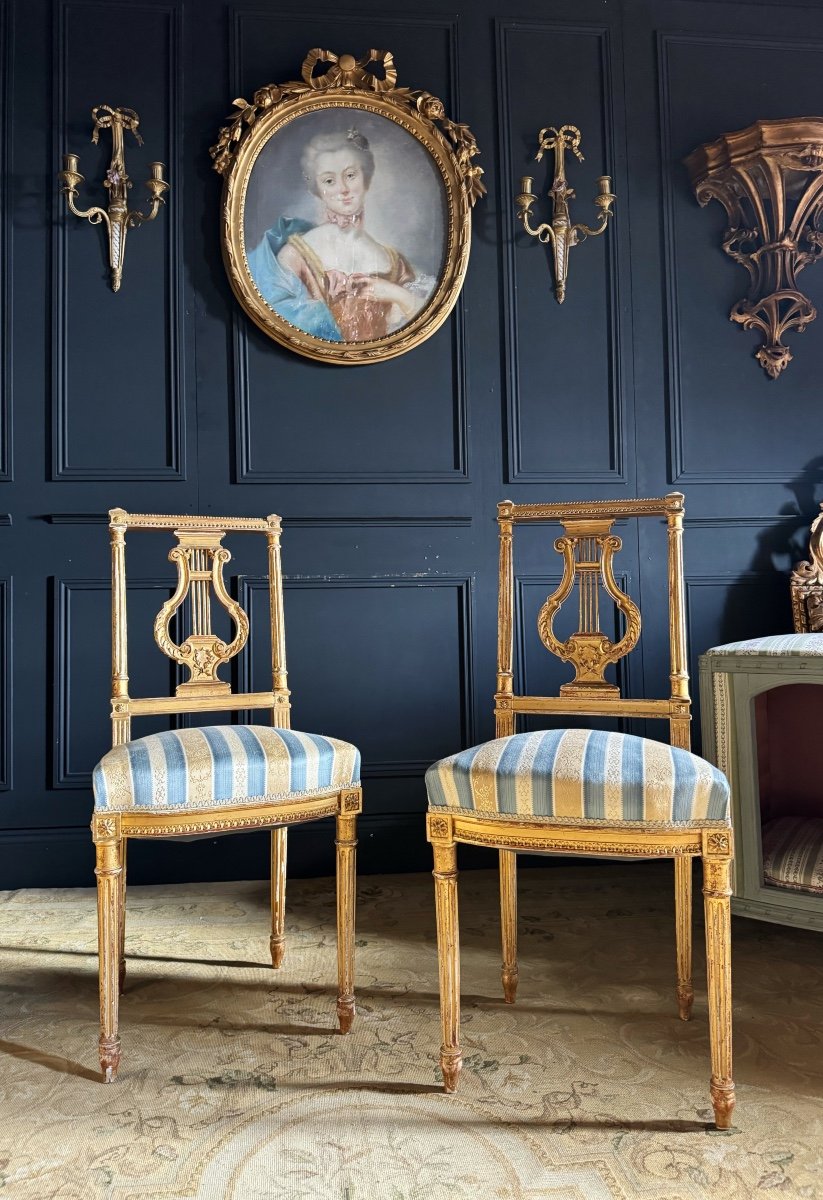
{"x": 287, "y": 294}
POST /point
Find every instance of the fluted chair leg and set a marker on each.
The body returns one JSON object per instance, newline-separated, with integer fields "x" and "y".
{"x": 346, "y": 882}
{"x": 508, "y": 922}
{"x": 448, "y": 956}
{"x": 109, "y": 872}
{"x": 683, "y": 927}
{"x": 716, "y": 892}
{"x": 121, "y": 932}
{"x": 277, "y": 941}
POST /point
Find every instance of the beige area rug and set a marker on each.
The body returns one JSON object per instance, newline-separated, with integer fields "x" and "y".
{"x": 234, "y": 1085}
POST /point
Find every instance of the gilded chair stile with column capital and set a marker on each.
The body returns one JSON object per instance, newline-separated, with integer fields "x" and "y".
{"x": 213, "y": 779}
{"x": 583, "y": 790}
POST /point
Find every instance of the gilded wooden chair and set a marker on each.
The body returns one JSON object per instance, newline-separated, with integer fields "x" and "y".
{"x": 213, "y": 779}
{"x": 584, "y": 791}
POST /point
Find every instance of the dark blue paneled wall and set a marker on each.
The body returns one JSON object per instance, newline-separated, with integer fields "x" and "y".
{"x": 165, "y": 397}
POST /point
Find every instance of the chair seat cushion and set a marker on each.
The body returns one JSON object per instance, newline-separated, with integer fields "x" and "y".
{"x": 793, "y": 854}
{"x": 776, "y": 643}
{"x": 581, "y": 776}
{"x": 222, "y": 765}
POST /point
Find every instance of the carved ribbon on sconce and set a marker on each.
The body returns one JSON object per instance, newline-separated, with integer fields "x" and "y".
{"x": 200, "y": 560}
{"x": 588, "y": 549}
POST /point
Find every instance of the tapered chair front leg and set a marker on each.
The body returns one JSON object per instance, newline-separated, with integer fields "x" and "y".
{"x": 683, "y": 928}
{"x": 277, "y": 941}
{"x": 346, "y": 884}
{"x": 109, "y": 870}
{"x": 716, "y": 892}
{"x": 121, "y": 930}
{"x": 448, "y": 958}
{"x": 508, "y": 922}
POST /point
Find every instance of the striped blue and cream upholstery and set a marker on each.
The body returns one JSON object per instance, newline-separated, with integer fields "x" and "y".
{"x": 222, "y": 765}
{"x": 777, "y": 643}
{"x": 793, "y": 854}
{"x": 580, "y": 776}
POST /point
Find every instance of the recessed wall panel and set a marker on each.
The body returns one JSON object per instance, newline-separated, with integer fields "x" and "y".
{"x": 383, "y": 663}
{"x": 556, "y": 74}
{"x": 82, "y": 666}
{"x": 118, "y": 357}
{"x": 297, "y": 420}
{"x": 5, "y": 685}
{"x": 729, "y": 423}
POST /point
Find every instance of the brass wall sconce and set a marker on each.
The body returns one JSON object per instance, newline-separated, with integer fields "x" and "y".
{"x": 561, "y": 233}
{"x": 769, "y": 179}
{"x": 118, "y": 218}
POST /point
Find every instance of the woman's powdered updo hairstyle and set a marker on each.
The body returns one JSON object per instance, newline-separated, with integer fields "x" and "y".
{"x": 328, "y": 143}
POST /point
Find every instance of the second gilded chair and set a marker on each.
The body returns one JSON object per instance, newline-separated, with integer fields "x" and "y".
{"x": 584, "y": 791}
{"x": 213, "y": 779}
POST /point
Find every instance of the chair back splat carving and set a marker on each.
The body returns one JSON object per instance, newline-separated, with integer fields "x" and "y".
{"x": 200, "y": 558}
{"x": 588, "y": 547}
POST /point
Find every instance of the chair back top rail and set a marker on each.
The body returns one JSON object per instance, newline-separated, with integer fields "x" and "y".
{"x": 200, "y": 558}
{"x": 660, "y": 506}
{"x": 587, "y": 546}
{"x": 210, "y": 524}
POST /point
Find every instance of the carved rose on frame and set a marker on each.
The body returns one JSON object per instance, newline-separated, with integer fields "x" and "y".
{"x": 346, "y": 209}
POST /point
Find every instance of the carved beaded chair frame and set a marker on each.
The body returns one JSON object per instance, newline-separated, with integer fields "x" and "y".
{"x": 588, "y": 546}
{"x": 200, "y": 558}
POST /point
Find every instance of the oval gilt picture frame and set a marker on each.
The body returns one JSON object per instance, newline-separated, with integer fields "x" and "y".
{"x": 346, "y": 209}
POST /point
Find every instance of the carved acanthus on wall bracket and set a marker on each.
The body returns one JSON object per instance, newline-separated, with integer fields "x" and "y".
{"x": 769, "y": 179}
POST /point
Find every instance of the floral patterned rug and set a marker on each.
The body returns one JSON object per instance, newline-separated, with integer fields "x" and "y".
{"x": 234, "y": 1085}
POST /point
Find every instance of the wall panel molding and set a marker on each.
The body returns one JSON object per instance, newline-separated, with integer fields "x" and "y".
{"x": 63, "y": 773}
{"x": 462, "y": 584}
{"x": 516, "y": 473}
{"x": 6, "y": 651}
{"x": 6, "y": 209}
{"x": 679, "y": 471}
{"x": 245, "y": 471}
{"x": 62, "y": 468}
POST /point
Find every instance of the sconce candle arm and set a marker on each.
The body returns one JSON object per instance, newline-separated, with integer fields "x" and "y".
{"x": 118, "y": 217}
{"x": 561, "y": 234}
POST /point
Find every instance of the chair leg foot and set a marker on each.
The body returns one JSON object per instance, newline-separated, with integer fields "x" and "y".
{"x": 109, "y": 1048}
{"x": 685, "y": 1001}
{"x": 723, "y": 1101}
{"x": 277, "y": 945}
{"x": 345, "y": 1013}
{"x": 509, "y": 984}
{"x": 451, "y": 1063}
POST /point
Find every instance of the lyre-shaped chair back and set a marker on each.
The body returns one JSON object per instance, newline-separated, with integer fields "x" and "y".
{"x": 588, "y": 546}
{"x": 200, "y": 558}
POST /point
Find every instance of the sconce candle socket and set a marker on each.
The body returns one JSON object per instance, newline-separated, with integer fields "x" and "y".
{"x": 769, "y": 179}
{"x": 118, "y": 219}
{"x": 561, "y": 233}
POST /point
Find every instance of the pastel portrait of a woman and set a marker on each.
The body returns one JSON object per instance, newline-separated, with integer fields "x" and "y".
{"x": 351, "y": 249}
